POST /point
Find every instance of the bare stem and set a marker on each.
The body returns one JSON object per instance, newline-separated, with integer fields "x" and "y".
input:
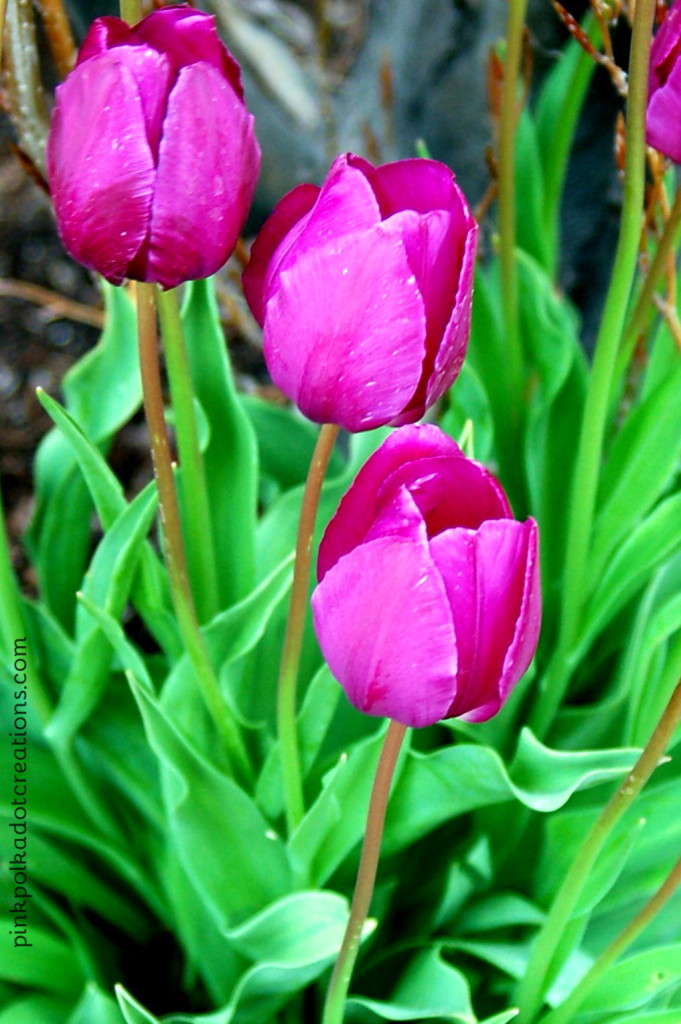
{"x": 295, "y": 626}
{"x": 366, "y": 875}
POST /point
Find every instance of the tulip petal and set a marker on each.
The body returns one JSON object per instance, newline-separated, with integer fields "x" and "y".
{"x": 452, "y": 350}
{"x": 193, "y": 239}
{"x": 355, "y": 312}
{"x": 103, "y": 34}
{"x": 415, "y": 184}
{"x": 359, "y": 506}
{"x": 100, "y": 168}
{"x": 282, "y": 222}
{"x": 492, "y": 581}
{"x": 189, "y": 37}
{"x": 384, "y": 626}
{"x": 153, "y": 75}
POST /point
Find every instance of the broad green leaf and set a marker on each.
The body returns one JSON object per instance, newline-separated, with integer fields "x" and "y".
{"x": 500, "y": 910}
{"x": 286, "y": 442}
{"x": 435, "y": 788}
{"x": 236, "y": 862}
{"x": 104, "y": 389}
{"x": 150, "y": 593}
{"x": 48, "y": 966}
{"x": 37, "y": 1010}
{"x": 428, "y": 989}
{"x": 652, "y": 1017}
{"x": 636, "y": 981}
{"x": 231, "y": 458}
{"x": 293, "y": 929}
{"x": 501, "y": 1018}
{"x": 631, "y": 565}
{"x": 108, "y": 584}
{"x": 95, "y": 1007}
{"x": 639, "y": 466}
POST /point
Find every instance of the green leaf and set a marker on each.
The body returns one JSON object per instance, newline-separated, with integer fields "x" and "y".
{"x": 286, "y": 442}
{"x": 635, "y": 981}
{"x": 235, "y": 861}
{"x": 428, "y": 989}
{"x": 632, "y": 564}
{"x": 95, "y": 1007}
{"x": 231, "y": 459}
{"x": 37, "y": 1010}
{"x": 466, "y": 400}
{"x": 104, "y": 388}
{"x": 108, "y": 584}
{"x": 434, "y": 788}
{"x": 48, "y": 965}
{"x": 133, "y": 1012}
{"x": 151, "y": 592}
{"x": 529, "y": 194}
{"x": 293, "y": 929}
{"x": 639, "y": 466}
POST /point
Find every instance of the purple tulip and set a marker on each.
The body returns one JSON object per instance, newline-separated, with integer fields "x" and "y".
{"x": 152, "y": 158}
{"x": 663, "y": 117}
{"x": 428, "y": 604}
{"x": 363, "y": 287}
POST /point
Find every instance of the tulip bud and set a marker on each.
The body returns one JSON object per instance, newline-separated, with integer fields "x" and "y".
{"x": 152, "y": 158}
{"x": 363, "y": 288}
{"x": 428, "y": 604}
{"x": 663, "y": 115}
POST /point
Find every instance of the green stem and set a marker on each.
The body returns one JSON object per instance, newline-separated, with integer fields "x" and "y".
{"x": 513, "y": 369}
{"x": 641, "y": 312}
{"x": 198, "y": 532}
{"x": 295, "y": 626}
{"x": 542, "y": 967}
{"x": 587, "y": 464}
{"x": 566, "y": 1011}
{"x": 366, "y": 875}
{"x": 172, "y": 534}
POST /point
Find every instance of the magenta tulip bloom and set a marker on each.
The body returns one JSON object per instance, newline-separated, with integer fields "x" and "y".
{"x": 363, "y": 288}
{"x": 428, "y": 604}
{"x": 663, "y": 118}
{"x": 152, "y": 159}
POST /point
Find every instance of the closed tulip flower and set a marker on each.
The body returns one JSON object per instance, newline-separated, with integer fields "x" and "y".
{"x": 152, "y": 159}
{"x": 428, "y": 604}
{"x": 363, "y": 288}
{"x": 663, "y": 118}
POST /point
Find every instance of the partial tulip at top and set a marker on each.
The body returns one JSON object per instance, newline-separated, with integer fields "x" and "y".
{"x": 363, "y": 288}
{"x": 663, "y": 118}
{"x": 428, "y": 604}
{"x": 152, "y": 157}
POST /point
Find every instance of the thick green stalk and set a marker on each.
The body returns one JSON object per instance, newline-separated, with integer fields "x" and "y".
{"x": 566, "y": 1012}
{"x": 589, "y": 452}
{"x": 513, "y": 353}
{"x": 295, "y": 626}
{"x": 198, "y": 532}
{"x": 366, "y": 875}
{"x": 172, "y": 534}
{"x": 542, "y": 969}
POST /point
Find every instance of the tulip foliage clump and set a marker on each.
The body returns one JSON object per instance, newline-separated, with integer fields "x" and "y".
{"x": 365, "y": 704}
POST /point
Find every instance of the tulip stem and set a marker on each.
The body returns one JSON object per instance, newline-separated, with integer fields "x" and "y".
{"x": 295, "y": 626}
{"x": 567, "y": 1010}
{"x": 584, "y": 484}
{"x": 366, "y": 875}
{"x": 508, "y": 123}
{"x": 198, "y": 534}
{"x": 542, "y": 968}
{"x": 172, "y": 535}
